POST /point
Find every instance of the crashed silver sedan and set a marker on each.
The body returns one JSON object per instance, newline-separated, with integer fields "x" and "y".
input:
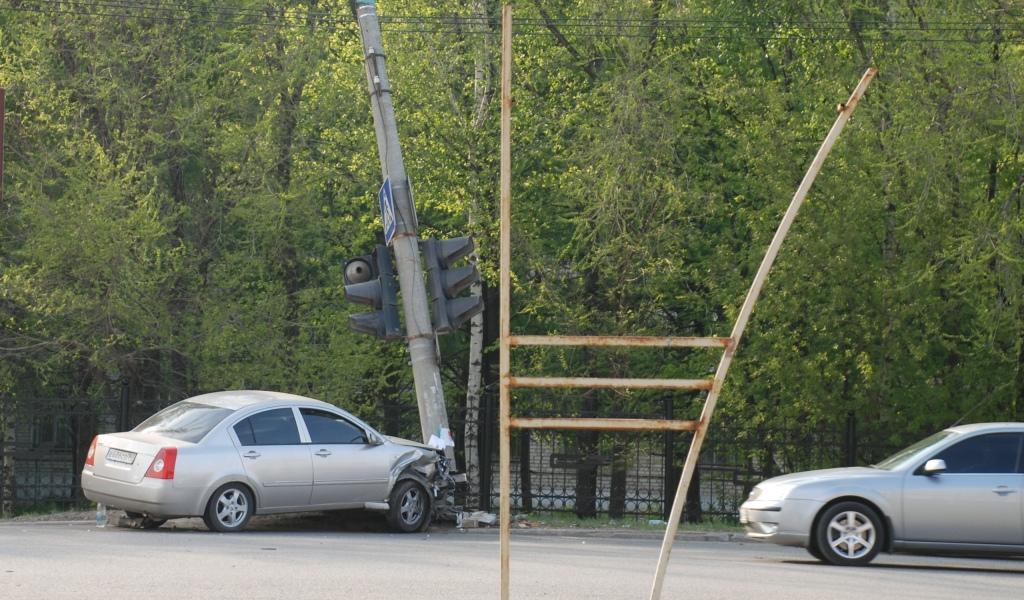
{"x": 229, "y": 455}
{"x": 959, "y": 490}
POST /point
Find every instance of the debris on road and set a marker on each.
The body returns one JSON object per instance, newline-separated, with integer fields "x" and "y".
{"x": 479, "y": 518}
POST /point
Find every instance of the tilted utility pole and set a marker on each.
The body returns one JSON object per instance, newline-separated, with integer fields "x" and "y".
{"x": 419, "y": 330}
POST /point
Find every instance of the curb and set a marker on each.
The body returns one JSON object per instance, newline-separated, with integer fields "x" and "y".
{"x": 447, "y": 529}
{"x": 689, "y": 536}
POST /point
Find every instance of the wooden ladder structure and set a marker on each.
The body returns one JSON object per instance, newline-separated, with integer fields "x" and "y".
{"x": 713, "y": 386}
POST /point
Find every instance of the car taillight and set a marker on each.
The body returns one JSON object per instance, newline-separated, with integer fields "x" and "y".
{"x": 163, "y": 464}
{"x": 90, "y": 458}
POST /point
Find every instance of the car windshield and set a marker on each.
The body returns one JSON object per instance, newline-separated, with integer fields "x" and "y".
{"x": 897, "y": 459}
{"x": 185, "y": 421}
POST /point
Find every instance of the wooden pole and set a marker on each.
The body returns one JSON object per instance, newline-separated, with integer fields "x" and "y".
{"x": 505, "y": 290}
{"x": 845, "y": 110}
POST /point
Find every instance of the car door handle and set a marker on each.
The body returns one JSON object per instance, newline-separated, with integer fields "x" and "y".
{"x": 323, "y": 452}
{"x": 252, "y": 454}
{"x": 1003, "y": 490}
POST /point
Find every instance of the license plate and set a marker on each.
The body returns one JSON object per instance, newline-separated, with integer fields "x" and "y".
{"x": 121, "y": 456}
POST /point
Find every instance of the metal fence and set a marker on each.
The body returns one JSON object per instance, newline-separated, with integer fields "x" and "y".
{"x": 45, "y": 441}
{"x": 588, "y": 473}
{"x": 627, "y": 475}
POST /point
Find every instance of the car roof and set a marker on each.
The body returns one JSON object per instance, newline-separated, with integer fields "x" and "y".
{"x": 986, "y": 427}
{"x": 238, "y": 399}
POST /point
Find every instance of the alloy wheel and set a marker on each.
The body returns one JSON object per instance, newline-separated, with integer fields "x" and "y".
{"x": 851, "y": 534}
{"x": 232, "y": 508}
{"x": 411, "y": 507}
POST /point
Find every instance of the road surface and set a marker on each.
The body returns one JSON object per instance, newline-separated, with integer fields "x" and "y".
{"x": 53, "y": 561}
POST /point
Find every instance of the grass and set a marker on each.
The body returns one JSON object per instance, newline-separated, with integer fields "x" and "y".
{"x": 50, "y": 508}
{"x": 570, "y": 520}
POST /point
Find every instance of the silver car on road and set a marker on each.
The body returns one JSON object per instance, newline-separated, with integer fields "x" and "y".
{"x": 959, "y": 490}
{"x": 229, "y": 455}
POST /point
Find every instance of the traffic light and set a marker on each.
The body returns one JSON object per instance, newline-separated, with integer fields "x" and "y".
{"x": 446, "y": 283}
{"x": 371, "y": 280}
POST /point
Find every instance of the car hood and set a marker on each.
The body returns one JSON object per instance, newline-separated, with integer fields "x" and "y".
{"x": 845, "y": 477}
{"x": 405, "y": 442}
{"x": 794, "y": 479}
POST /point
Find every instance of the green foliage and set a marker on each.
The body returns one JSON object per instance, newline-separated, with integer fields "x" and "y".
{"x": 180, "y": 197}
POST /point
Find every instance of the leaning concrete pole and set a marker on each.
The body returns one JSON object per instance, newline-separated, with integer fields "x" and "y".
{"x": 420, "y": 331}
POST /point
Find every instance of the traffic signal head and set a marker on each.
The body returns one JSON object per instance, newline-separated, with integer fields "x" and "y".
{"x": 371, "y": 280}
{"x": 359, "y": 270}
{"x": 450, "y": 311}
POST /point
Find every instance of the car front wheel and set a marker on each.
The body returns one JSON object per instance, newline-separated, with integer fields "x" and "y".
{"x": 409, "y": 507}
{"x": 849, "y": 534}
{"x": 812, "y": 549}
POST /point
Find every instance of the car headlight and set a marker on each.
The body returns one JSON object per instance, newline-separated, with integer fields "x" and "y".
{"x": 754, "y": 493}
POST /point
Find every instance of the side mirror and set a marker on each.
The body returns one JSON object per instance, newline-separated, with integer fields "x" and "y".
{"x": 934, "y": 466}
{"x": 374, "y": 439}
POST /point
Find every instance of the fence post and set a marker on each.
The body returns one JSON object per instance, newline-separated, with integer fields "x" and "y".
{"x": 125, "y": 421}
{"x": 7, "y": 439}
{"x": 486, "y": 448}
{"x": 851, "y": 439}
{"x": 525, "y": 478}
{"x": 671, "y": 478}
{"x": 693, "y": 512}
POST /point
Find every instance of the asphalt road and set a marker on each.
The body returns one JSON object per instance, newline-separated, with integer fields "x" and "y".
{"x": 52, "y": 561}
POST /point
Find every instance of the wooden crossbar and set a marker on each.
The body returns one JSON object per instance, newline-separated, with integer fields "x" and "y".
{"x": 632, "y": 341}
{"x": 597, "y": 424}
{"x": 610, "y": 383}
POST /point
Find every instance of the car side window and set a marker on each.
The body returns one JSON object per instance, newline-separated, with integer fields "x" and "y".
{"x": 269, "y": 428}
{"x": 328, "y": 428}
{"x": 992, "y": 453}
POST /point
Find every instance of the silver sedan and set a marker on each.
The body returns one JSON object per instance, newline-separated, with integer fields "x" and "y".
{"x": 957, "y": 491}
{"x": 229, "y": 455}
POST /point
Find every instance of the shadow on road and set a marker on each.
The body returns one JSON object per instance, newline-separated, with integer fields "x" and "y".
{"x": 1010, "y": 570}
{"x": 320, "y": 522}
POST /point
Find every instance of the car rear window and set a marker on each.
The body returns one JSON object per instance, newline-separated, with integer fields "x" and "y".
{"x": 185, "y": 421}
{"x": 269, "y": 428}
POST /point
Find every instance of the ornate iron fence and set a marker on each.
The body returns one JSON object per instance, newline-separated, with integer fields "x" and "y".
{"x": 629, "y": 475}
{"x": 589, "y": 473}
{"x": 44, "y": 445}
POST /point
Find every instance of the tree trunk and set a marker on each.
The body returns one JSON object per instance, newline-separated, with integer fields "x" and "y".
{"x": 483, "y": 90}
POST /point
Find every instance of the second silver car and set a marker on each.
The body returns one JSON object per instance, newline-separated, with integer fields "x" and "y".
{"x": 959, "y": 490}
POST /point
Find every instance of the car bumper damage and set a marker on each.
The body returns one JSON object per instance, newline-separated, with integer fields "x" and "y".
{"x": 432, "y": 469}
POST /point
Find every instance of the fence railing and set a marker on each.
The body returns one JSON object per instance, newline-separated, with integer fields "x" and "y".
{"x": 45, "y": 441}
{"x": 584, "y": 472}
{"x": 622, "y": 476}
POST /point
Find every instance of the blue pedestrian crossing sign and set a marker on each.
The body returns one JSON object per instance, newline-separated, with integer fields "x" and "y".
{"x": 387, "y": 211}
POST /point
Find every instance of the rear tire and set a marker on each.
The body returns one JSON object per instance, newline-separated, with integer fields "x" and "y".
{"x": 409, "y": 507}
{"x": 849, "y": 534}
{"x": 229, "y": 508}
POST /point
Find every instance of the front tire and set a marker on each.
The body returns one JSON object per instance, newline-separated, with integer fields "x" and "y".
{"x": 409, "y": 507}
{"x": 849, "y": 534}
{"x": 229, "y": 508}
